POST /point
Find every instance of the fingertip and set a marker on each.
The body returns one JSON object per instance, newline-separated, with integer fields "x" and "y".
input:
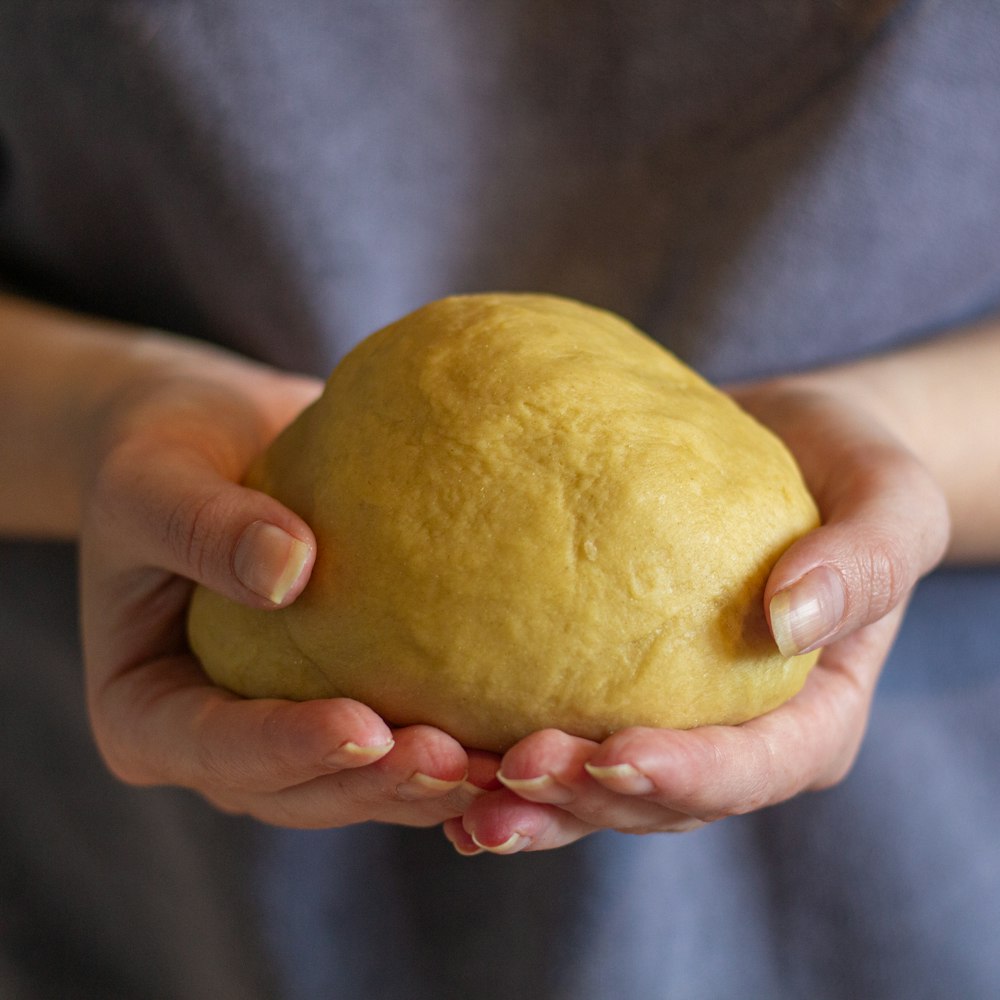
{"x": 807, "y": 612}
{"x": 425, "y": 763}
{"x": 326, "y": 734}
{"x": 623, "y": 778}
{"x": 501, "y": 823}
{"x": 639, "y": 760}
{"x": 234, "y": 540}
{"x": 513, "y": 844}
{"x": 350, "y": 754}
{"x": 885, "y": 524}
{"x": 459, "y": 838}
{"x": 547, "y": 751}
{"x": 272, "y": 562}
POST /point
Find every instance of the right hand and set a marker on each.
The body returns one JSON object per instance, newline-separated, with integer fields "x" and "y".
{"x": 163, "y": 508}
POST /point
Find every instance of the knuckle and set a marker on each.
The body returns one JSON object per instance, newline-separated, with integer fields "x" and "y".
{"x": 703, "y": 758}
{"x": 110, "y": 494}
{"x": 829, "y": 781}
{"x": 838, "y": 769}
{"x": 758, "y": 796}
{"x": 229, "y": 804}
{"x": 123, "y": 763}
{"x": 211, "y": 772}
{"x": 189, "y": 532}
{"x": 608, "y": 814}
{"x": 127, "y": 771}
{"x": 727, "y": 781}
{"x": 885, "y": 574}
{"x": 753, "y": 780}
{"x": 293, "y": 739}
{"x": 221, "y": 763}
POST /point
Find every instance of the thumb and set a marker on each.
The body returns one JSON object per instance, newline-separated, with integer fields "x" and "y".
{"x": 182, "y": 515}
{"x": 885, "y": 525}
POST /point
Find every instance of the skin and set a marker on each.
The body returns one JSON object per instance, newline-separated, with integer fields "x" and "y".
{"x": 139, "y": 439}
{"x": 897, "y": 453}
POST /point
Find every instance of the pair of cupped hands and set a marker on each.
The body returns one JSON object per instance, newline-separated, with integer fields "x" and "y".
{"x": 163, "y": 508}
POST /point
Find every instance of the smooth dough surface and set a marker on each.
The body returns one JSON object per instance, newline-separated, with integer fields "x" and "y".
{"x": 528, "y": 514}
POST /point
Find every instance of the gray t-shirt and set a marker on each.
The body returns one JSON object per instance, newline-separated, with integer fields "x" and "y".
{"x": 763, "y": 186}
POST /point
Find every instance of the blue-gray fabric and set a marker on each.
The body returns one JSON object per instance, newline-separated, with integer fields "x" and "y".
{"x": 764, "y": 187}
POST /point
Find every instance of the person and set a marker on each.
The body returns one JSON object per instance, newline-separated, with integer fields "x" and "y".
{"x": 203, "y": 206}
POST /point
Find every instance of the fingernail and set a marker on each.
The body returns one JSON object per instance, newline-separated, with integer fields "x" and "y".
{"x": 463, "y": 843}
{"x": 471, "y": 790}
{"x": 622, "y": 778}
{"x": 268, "y": 560}
{"x": 464, "y": 794}
{"x": 805, "y": 613}
{"x": 351, "y": 754}
{"x": 514, "y": 843}
{"x": 466, "y": 852}
{"x": 544, "y": 787}
{"x": 425, "y": 786}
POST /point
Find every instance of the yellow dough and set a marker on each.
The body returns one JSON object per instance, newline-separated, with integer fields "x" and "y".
{"x": 528, "y": 515}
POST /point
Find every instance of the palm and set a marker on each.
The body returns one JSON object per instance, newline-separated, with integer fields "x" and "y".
{"x": 884, "y": 524}
{"x": 165, "y": 510}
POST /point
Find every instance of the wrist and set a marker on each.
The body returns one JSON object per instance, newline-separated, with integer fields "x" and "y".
{"x": 934, "y": 401}
{"x": 66, "y": 382}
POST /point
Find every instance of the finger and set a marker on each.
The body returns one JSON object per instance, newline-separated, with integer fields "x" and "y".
{"x": 419, "y": 782}
{"x": 425, "y": 764}
{"x": 715, "y": 771}
{"x": 160, "y": 723}
{"x": 552, "y": 767}
{"x": 181, "y": 514}
{"x": 503, "y": 823}
{"x": 547, "y": 766}
{"x": 885, "y": 525}
{"x": 459, "y": 838}
{"x": 481, "y": 777}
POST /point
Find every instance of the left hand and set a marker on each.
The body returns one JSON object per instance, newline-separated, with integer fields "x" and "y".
{"x": 844, "y": 587}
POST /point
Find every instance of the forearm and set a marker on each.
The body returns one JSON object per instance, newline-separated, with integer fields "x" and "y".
{"x": 60, "y": 375}
{"x": 71, "y": 385}
{"x": 941, "y": 399}
{"x": 54, "y": 369}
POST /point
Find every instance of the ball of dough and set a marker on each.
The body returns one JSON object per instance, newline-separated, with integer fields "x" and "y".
{"x": 528, "y": 514}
